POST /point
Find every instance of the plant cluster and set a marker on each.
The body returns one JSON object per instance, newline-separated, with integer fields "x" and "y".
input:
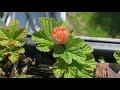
{"x": 12, "y": 40}
{"x": 73, "y": 55}
{"x": 74, "y": 58}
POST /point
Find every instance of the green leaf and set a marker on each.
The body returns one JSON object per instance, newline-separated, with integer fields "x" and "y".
{"x": 117, "y": 56}
{"x": 74, "y": 43}
{"x": 70, "y": 52}
{"x": 79, "y": 57}
{"x": 74, "y": 70}
{"x": 58, "y": 73}
{"x": 71, "y": 72}
{"x": 13, "y": 25}
{"x": 4, "y": 33}
{"x": 90, "y": 62}
{"x": 20, "y": 50}
{"x": 62, "y": 23}
{"x": 11, "y": 35}
{"x": 59, "y": 67}
{"x": 101, "y": 59}
{"x": 14, "y": 50}
{"x": 14, "y": 53}
{"x": 59, "y": 52}
{"x": 84, "y": 74}
{"x": 1, "y": 55}
{"x": 21, "y": 33}
{"x": 43, "y": 37}
{"x": 43, "y": 47}
{"x": 67, "y": 57}
{"x": 43, "y": 41}
{"x": 85, "y": 70}
{"x": 47, "y": 24}
{"x": 86, "y": 49}
{"x": 22, "y": 76}
{"x": 13, "y": 57}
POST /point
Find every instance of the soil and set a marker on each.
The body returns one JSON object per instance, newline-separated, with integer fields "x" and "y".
{"x": 40, "y": 66}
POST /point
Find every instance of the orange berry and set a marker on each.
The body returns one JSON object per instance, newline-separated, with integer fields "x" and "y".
{"x": 60, "y": 35}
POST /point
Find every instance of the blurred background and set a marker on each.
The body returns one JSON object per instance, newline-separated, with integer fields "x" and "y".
{"x": 30, "y": 19}
{"x": 93, "y": 24}
{"x": 96, "y": 24}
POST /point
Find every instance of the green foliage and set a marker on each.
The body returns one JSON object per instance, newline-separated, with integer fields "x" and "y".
{"x": 101, "y": 59}
{"x": 117, "y": 56}
{"x": 73, "y": 59}
{"x": 95, "y": 24}
{"x": 71, "y": 51}
{"x": 44, "y": 37}
{"x": 13, "y": 53}
{"x": 12, "y": 40}
{"x": 11, "y": 35}
{"x": 22, "y": 76}
{"x": 1, "y": 55}
{"x": 75, "y": 69}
